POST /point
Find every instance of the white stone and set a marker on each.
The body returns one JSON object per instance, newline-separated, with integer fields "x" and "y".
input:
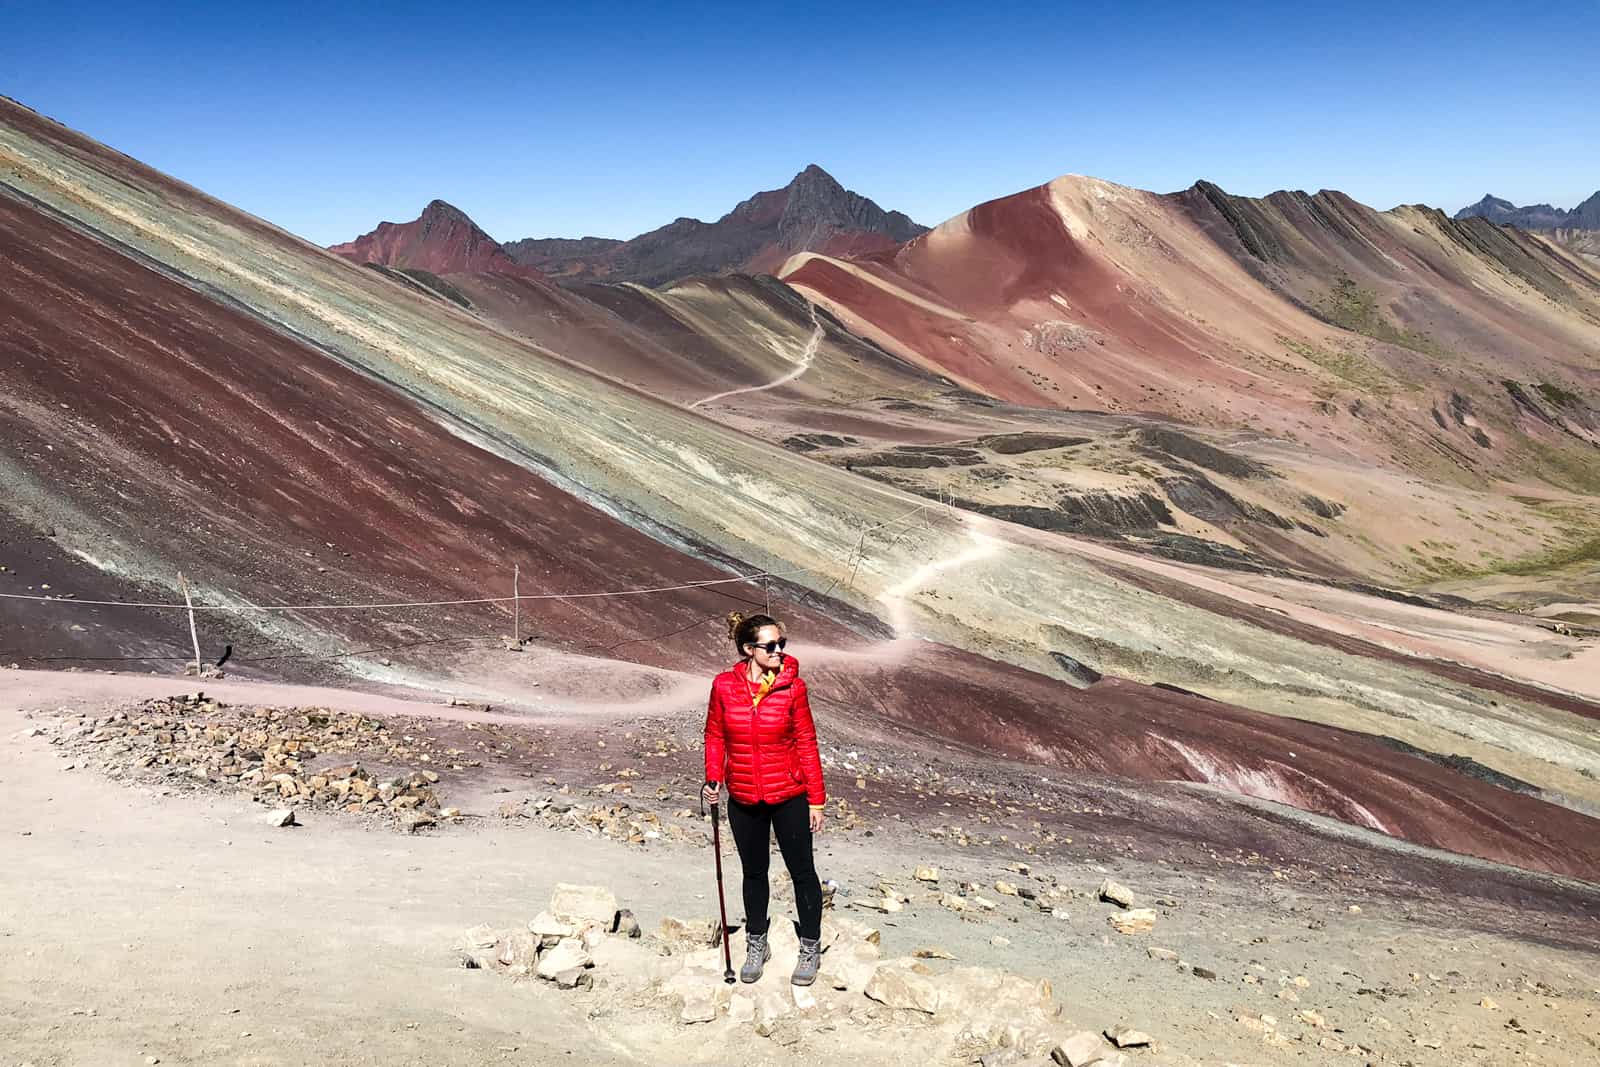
{"x": 584, "y": 903}
{"x": 567, "y": 954}
{"x": 1116, "y": 893}
{"x": 481, "y": 936}
{"x": 1127, "y": 1037}
{"x": 547, "y": 925}
{"x": 1083, "y": 1047}
{"x": 900, "y": 987}
{"x": 1134, "y": 921}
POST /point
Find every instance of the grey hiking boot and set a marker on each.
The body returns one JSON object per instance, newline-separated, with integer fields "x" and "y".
{"x": 756, "y": 953}
{"x": 805, "y": 971}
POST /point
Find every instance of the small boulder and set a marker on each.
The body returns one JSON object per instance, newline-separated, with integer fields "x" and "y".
{"x": 696, "y": 932}
{"x": 280, "y": 817}
{"x": 574, "y": 978}
{"x": 412, "y": 821}
{"x": 699, "y": 1006}
{"x": 897, "y": 987}
{"x": 1134, "y": 921}
{"x": 519, "y": 953}
{"x": 1083, "y": 1047}
{"x": 1127, "y": 1037}
{"x": 584, "y": 903}
{"x": 1116, "y": 893}
{"x": 480, "y": 936}
{"x": 771, "y": 1008}
{"x": 550, "y": 928}
{"x": 926, "y": 874}
{"x": 568, "y": 953}
{"x": 850, "y": 968}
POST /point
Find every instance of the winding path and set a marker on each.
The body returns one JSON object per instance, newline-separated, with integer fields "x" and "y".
{"x": 807, "y": 354}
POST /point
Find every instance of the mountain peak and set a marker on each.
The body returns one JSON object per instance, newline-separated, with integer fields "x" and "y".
{"x": 440, "y": 209}
{"x": 1585, "y": 216}
{"x": 813, "y": 213}
{"x": 443, "y": 240}
{"x": 813, "y": 172}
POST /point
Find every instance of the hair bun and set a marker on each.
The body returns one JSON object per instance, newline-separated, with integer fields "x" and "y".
{"x": 735, "y": 618}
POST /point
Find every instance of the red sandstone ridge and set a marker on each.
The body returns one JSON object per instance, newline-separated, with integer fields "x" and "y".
{"x": 442, "y": 240}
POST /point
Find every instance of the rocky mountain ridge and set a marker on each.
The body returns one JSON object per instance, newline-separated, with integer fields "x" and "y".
{"x": 1586, "y": 216}
{"x": 812, "y": 213}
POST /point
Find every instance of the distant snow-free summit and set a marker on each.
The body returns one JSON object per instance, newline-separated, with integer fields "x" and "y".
{"x": 813, "y": 213}
{"x": 442, "y": 240}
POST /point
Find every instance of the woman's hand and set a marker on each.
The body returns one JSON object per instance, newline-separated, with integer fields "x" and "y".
{"x": 816, "y": 820}
{"x": 709, "y": 792}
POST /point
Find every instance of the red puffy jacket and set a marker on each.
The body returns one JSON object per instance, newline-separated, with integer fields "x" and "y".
{"x": 765, "y": 752}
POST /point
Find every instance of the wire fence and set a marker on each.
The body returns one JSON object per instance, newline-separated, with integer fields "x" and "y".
{"x": 852, "y": 562}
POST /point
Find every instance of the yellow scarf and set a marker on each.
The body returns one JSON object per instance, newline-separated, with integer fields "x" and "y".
{"x": 765, "y": 688}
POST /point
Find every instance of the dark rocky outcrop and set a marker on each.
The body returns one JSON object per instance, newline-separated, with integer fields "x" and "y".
{"x": 1464, "y": 764}
{"x": 1204, "y": 499}
{"x": 812, "y": 213}
{"x": 1075, "y": 669}
{"x": 1586, "y": 216}
{"x": 811, "y": 442}
{"x": 1163, "y": 443}
{"x": 1327, "y": 509}
{"x": 1088, "y": 513}
{"x": 1015, "y": 444}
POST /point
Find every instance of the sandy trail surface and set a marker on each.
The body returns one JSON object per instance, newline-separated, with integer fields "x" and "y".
{"x": 801, "y": 365}
{"x": 135, "y": 924}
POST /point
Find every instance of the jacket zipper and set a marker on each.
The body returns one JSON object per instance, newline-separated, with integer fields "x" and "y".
{"x": 755, "y": 737}
{"x": 755, "y": 742}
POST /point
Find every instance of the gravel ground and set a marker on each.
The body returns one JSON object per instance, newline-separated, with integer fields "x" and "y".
{"x": 150, "y": 915}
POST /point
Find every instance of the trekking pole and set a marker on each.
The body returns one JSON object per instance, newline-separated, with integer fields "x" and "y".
{"x": 716, "y": 846}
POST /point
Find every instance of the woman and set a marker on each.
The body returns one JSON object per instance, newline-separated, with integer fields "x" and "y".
{"x": 761, "y": 742}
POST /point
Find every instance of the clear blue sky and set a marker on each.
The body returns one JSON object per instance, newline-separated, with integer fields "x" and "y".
{"x": 561, "y": 120}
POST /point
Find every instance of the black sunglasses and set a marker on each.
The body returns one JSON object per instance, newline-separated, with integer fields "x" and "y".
{"x": 772, "y": 646}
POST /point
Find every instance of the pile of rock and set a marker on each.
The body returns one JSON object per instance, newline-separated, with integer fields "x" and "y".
{"x": 583, "y": 942}
{"x": 1130, "y": 920}
{"x": 618, "y": 820}
{"x": 272, "y": 755}
{"x": 559, "y": 944}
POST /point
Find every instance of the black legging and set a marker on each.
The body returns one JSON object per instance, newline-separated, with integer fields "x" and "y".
{"x": 753, "y": 826}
